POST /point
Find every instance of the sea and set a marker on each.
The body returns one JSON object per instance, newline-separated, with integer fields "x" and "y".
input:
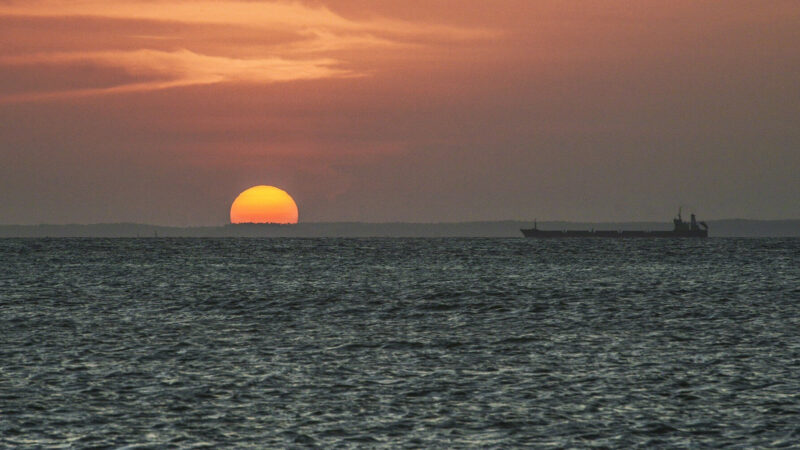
{"x": 399, "y": 343}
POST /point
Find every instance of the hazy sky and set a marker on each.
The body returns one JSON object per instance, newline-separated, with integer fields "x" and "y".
{"x": 421, "y": 110}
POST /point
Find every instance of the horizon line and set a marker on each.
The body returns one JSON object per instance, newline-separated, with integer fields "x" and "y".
{"x": 396, "y": 222}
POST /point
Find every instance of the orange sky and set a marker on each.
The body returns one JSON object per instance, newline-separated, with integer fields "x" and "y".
{"x": 163, "y": 111}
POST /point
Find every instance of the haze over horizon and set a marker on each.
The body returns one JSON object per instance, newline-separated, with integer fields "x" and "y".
{"x": 162, "y": 111}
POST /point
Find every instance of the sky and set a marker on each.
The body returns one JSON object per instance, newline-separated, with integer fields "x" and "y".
{"x": 163, "y": 111}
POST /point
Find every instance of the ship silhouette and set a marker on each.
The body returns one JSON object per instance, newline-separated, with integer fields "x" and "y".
{"x": 691, "y": 229}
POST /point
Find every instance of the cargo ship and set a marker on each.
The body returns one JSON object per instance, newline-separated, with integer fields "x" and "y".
{"x": 691, "y": 229}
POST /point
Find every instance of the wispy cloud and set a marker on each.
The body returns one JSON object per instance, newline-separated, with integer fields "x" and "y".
{"x": 319, "y": 36}
{"x": 178, "y": 68}
{"x": 267, "y": 15}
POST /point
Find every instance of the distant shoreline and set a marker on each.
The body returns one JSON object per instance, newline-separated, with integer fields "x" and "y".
{"x": 506, "y": 228}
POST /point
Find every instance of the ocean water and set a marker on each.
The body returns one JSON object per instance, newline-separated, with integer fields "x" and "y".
{"x": 399, "y": 342}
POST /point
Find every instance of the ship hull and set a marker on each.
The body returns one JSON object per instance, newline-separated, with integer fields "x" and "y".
{"x": 547, "y": 234}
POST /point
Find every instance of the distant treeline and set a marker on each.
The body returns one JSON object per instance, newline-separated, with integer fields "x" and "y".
{"x": 717, "y": 228}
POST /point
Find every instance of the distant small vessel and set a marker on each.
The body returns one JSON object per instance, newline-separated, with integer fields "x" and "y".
{"x": 682, "y": 229}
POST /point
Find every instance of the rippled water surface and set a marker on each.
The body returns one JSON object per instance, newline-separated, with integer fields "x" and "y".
{"x": 393, "y": 342}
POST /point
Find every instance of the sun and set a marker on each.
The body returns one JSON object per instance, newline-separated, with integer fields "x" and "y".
{"x": 264, "y": 204}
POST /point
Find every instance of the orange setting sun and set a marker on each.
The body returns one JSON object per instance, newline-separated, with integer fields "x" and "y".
{"x": 264, "y": 204}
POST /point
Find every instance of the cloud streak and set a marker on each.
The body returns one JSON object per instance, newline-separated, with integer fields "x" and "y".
{"x": 175, "y": 69}
{"x": 319, "y": 40}
{"x": 264, "y": 15}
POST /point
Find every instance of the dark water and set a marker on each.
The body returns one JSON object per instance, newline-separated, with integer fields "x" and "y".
{"x": 415, "y": 343}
